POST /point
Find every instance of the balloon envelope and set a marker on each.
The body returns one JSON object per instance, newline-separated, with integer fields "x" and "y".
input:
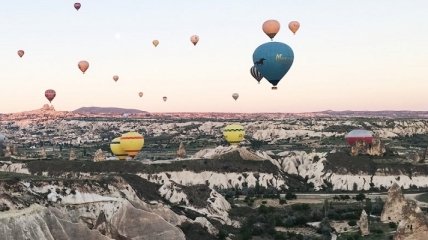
{"x": 50, "y": 94}
{"x": 194, "y": 39}
{"x": 294, "y": 26}
{"x": 83, "y": 66}
{"x": 164, "y": 99}
{"x": 273, "y": 60}
{"x": 132, "y": 143}
{"x": 234, "y": 134}
{"x": 115, "y": 78}
{"x": 155, "y": 43}
{"x": 21, "y": 53}
{"x": 140, "y": 94}
{"x": 235, "y": 96}
{"x": 271, "y": 28}
{"x": 77, "y": 6}
{"x": 256, "y": 74}
{"x": 117, "y": 150}
{"x": 357, "y": 135}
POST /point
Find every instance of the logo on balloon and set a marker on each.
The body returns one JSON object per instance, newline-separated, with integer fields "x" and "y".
{"x": 280, "y": 58}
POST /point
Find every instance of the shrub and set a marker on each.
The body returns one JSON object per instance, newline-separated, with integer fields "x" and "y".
{"x": 392, "y": 225}
{"x": 290, "y": 196}
{"x": 301, "y": 207}
{"x": 376, "y": 230}
{"x": 352, "y": 223}
{"x": 222, "y": 234}
{"x": 360, "y": 197}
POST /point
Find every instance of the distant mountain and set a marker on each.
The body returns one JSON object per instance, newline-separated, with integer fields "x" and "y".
{"x": 107, "y": 110}
{"x": 384, "y": 113}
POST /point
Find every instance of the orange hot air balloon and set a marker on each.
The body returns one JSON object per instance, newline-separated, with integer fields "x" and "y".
{"x": 194, "y": 39}
{"x": 155, "y": 43}
{"x": 115, "y": 78}
{"x": 271, "y": 28}
{"x": 294, "y": 26}
{"x": 50, "y": 94}
{"x": 83, "y": 66}
{"x": 140, "y": 94}
{"x": 20, "y": 53}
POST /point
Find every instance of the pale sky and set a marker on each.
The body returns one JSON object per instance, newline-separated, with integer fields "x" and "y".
{"x": 349, "y": 55}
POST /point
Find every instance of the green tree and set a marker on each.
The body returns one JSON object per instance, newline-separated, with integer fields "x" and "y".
{"x": 360, "y": 197}
{"x": 355, "y": 187}
{"x": 326, "y": 207}
{"x": 352, "y": 223}
{"x": 368, "y": 206}
{"x": 290, "y": 196}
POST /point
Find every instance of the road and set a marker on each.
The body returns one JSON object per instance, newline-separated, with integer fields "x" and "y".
{"x": 383, "y": 196}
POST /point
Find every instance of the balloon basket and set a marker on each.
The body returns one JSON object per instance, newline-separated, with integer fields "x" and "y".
{"x": 274, "y": 88}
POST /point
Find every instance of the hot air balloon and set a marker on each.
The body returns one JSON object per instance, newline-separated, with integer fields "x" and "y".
{"x": 294, "y": 26}
{"x": 273, "y": 60}
{"x": 234, "y": 134}
{"x": 132, "y": 143}
{"x": 359, "y": 135}
{"x": 115, "y": 78}
{"x": 77, "y": 6}
{"x": 235, "y": 96}
{"x": 83, "y": 66}
{"x": 50, "y": 94}
{"x": 194, "y": 39}
{"x": 271, "y": 28}
{"x": 164, "y": 99}
{"x": 256, "y": 74}
{"x": 21, "y": 53}
{"x": 117, "y": 150}
{"x": 140, "y": 94}
{"x": 155, "y": 43}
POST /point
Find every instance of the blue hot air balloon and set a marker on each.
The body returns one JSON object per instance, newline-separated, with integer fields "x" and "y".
{"x": 273, "y": 60}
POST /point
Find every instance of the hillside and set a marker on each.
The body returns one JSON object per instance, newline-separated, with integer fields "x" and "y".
{"x": 107, "y": 110}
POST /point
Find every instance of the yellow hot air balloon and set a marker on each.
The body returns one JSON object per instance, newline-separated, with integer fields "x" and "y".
{"x": 132, "y": 143}
{"x": 234, "y": 134}
{"x": 117, "y": 150}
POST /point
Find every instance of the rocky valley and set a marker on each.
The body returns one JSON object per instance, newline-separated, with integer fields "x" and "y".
{"x": 293, "y": 177}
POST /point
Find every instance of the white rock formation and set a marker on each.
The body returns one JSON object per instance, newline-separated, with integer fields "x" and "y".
{"x": 132, "y": 223}
{"x": 72, "y": 155}
{"x": 37, "y": 222}
{"x": 43, "y": 154}
{"x": 363, "y": 223}
{"x": 414, "y": 226}
{"x": 393, "y": 208}
{"x": 181, "y": 152}
{"x": 99, "y": 156}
